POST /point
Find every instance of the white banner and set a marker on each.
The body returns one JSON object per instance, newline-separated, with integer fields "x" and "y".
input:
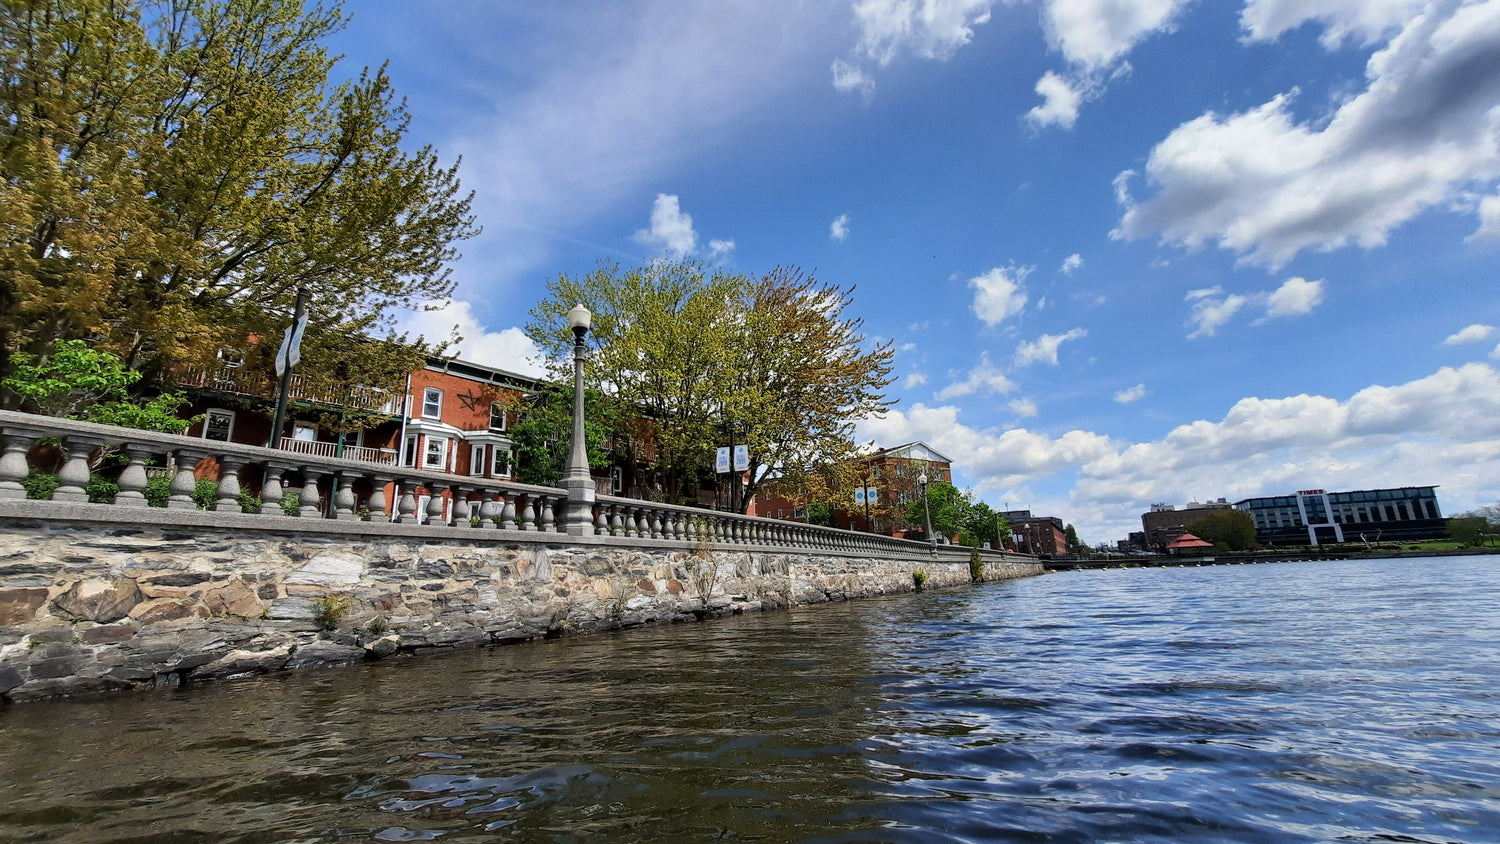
{"x": 290, "y": 353}
{"x": 721, "y": 465}
{"x": 741, "y": 458}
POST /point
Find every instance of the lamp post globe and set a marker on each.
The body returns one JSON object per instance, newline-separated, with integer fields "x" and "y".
{"x": 576, "y": 479}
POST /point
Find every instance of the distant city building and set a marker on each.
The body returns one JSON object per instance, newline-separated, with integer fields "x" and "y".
{"x": 1037, "y": 534}
{"x": 888, "y": 481}
{"x": 1313, "y": 516}
{"x": 1164, "y": 522}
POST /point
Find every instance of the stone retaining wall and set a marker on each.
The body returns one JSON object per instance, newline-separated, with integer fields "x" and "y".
{"x": 91, "y": 607}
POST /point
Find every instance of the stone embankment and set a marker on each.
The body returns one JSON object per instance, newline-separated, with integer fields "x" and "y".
{"x": 93, "y": 605}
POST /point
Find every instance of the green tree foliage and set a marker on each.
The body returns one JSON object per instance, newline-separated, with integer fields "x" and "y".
{"x": 1071, "y": 536}
{"x": 983, "y": 524}
{"x": 78, "y": 382}
{"x": 820, "y": 513}
{"x": 710, "y": 358}
{"x": 1469, "y": 529}
{"x": 950, "y": 509}
{"x": 1228, "y": 529}
{"x": 543, "y": 435}
{"x": 173, "y": 170}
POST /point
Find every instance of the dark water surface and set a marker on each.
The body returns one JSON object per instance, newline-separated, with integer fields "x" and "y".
{"x": 1294, "y": 702}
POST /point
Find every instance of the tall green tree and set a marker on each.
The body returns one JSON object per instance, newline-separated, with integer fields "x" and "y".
{"x": 1227, "y": 528}
{"x": 983, "y": 524}
{"x": 950, "y": 509}
{"x": 171, "y": 171}
{"x": 1071, "y": 536}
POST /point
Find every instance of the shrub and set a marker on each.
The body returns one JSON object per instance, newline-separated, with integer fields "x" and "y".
{"x": 329, "y": 609}
{"x": 291, "y": 503}
{"x": 976, "y": 566}
{"x": 919, "y": 580}
{"x": 158, "y": 490}
{"x": 205, "y": 493}
{"x": 101, "y": 490}
{"x": 249, "y": 502}
{"x": 40, "y": 485}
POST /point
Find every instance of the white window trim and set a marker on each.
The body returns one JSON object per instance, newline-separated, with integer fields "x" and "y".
{"x": 209, "y": 414}
{"x": 476, "y": 460}
{"x": 503, "y": 421}
{"x": 442, "y": 443}
{"x": 439, "y": 412}
{"x": 508, "y": 456}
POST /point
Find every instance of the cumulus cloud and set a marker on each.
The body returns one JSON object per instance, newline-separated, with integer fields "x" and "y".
{"x": 720, "y": 248}
{"x": 1476, "y": 333}
{"x": 1489, "y": 219}
{"x": 999, "y": 293}
{"x": 1296, "y": 296}
{"x": 839, "y": 228}
{"x": 1071, "y": 263}
{"x": 509, "y": 349}
{"x": 1363, "y": 20}
{"x": 1044, "y": 348}
{"x": 984, "y": 378}
{"x": 671, "y": 229}
{"x": 1024, "y": 408}
{"x": 915, "y": 379}
{"x": 928, "y": 29}
{"x": 1211, "y": 308}
{"x": 1264, "y": 185}
{"x": 1060, "y": 103}
{"x": 1130, "y": 394}
{"x": 1441, "y": 429}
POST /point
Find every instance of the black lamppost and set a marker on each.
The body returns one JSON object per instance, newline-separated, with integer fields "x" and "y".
{"x": 927, "y": 511}
{"x": 578, "y": 513}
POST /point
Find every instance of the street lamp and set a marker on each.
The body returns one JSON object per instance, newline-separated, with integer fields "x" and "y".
{"x": 927, "y": 511}
{"x": 578, "y": 512}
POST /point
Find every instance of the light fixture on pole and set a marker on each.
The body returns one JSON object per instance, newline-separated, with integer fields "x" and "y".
{"x": 927, "y": 511}
{"x": 578, "y": 512}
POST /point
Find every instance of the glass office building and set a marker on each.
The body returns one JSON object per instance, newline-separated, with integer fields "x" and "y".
{"x": 1315, "y": 516}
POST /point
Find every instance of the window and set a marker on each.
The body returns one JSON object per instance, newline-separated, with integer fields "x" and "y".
{"x": 231, "y": 358}
{"x": 218, "y": 425}
{"x": 616, "y": 481}
{"x": 306, "y": 433}
{"x": 497, "y": 416}
{"x": 409, "y": 455}
{"x": 502, "y": 462}
{"x": 476, "y": 460}
{"x": 436, "y": 454}
{"x": 432, "y": 403}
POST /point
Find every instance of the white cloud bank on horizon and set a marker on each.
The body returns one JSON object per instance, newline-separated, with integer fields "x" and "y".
{"x": 509, "y": 349}
{"x": 1441, "y": 429}
{"x": 1261, "y": 184}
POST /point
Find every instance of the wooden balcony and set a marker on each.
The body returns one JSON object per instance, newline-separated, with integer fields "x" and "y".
{"x": 238, "y": 381}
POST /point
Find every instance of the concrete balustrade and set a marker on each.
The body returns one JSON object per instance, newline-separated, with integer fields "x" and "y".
{"x": 324, "y": 491}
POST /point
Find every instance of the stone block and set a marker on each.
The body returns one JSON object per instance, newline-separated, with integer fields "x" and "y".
{"x": 329, "y": 568}
{"x": 241, "y": 662}
{"x": 98, "y": 600}
{"x": 18, "y": 606}
{"x": 109, "y": 633}
{"x": 322, "y": 654}
{"x": 234, "y": 598}
{"x": 384, "y": 646}
{"x": 164, "y": 609}
{"x": 9, "y": 678}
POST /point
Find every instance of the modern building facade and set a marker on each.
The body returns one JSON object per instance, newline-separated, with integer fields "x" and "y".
{"x": 1315, "y": 516}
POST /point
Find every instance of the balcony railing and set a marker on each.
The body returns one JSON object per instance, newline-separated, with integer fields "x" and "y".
{"x": 364, "y": 454}
{"x": 453, "y": 502}
{"x": 239, "y": 381}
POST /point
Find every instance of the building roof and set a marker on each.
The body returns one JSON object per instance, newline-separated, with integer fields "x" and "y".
{"x": 487, "y": 374}
{"x": 1187, "y": 540}
{"x": 917, "y": 450}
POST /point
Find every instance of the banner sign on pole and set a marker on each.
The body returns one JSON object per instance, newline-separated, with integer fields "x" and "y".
{"x": 741, "y": 458}
{"x": 290, "y": 353}
{"x": 721, "y": 465}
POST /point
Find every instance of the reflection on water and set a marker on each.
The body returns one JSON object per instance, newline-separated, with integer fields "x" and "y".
{"x": 1250, "y": 703}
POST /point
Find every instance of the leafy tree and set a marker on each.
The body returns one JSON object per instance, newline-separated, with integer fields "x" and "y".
{"x": 820, "y": 513}
{"x": 173, "y": 170}
{"x": 1071, "y": 536}
{"x": 78, "y": 382}
{"x": 983, "y": 524}
{"x": 543, "y": 436}
{"x": 712, "y": 358}
{"x": 1227, "y": 528}
{"x": 950, "y": 509}
{"x": 1468, "y": 529}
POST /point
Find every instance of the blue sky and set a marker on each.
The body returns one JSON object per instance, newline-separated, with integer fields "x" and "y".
{"x": 1129, "y": 251}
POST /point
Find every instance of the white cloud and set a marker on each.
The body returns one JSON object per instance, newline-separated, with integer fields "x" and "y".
{"x": 1024, "y": 408}
{"x": 919, "y": 326}
{"x": 851, "y": 78}
{"x": 1476, "y": 333}
{"x": 928, "y": 29}
{"x": 1130, "y": 394}
{"x": 1366, "y": 20}
{"x": 1044, "y": 348}
{"x": 1296, "y": 296}
{"x": 671, "y": 229}
{"x": 1060, "y": 103}
{"x": 1266, "y": 186}
{"x": 1096, "y": 33}
{"x": 1211, "y": 309}
{"x": 999, "y": 293}
{"x": 1442, "y": 429}
{"x": 984, "y": 378}
{"x": 509, "y": 349}
{"x": 1489, "y": 219}
{"x": 720, "y": 248}
{"x": 839, "y": 228}
{"x": 915, "y": 379}
{"x": 1071, "y": 263}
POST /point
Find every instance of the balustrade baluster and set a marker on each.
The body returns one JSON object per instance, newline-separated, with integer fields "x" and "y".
{"x": 132, "y": 480}
{"x": 545, "y": 516}
{"x": 228, "y": 500}
{"x": 311, "y": 502}
{"x": 508, "y": 511}
{"x": 679, "y": 527}
{"x": 653, "y": 522}
{"x": 13, "y": 467}
{"x": 601, "y": 519}
{"x": 343, "y": 497}
{"x": 489, "y": 508}
{"x": 406, "y": 504}
{"x": 615, "y": 528}
{"x": 74, "y": 475}
{"x": 434, "y": 509}
{"x": 375, "y": 504}
{"x": 183, "y": 482}
{"x": 271, "y": 491}
{"x": 528, "y": 513}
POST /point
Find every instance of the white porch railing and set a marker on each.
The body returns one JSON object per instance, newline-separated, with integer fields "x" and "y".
{"x": 364, "y": 454}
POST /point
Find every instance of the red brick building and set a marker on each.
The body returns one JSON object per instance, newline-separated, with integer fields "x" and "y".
{"x": 887, "y": 482}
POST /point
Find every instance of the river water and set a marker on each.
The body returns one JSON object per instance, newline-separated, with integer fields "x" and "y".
{"x": 1288, "y": 702}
